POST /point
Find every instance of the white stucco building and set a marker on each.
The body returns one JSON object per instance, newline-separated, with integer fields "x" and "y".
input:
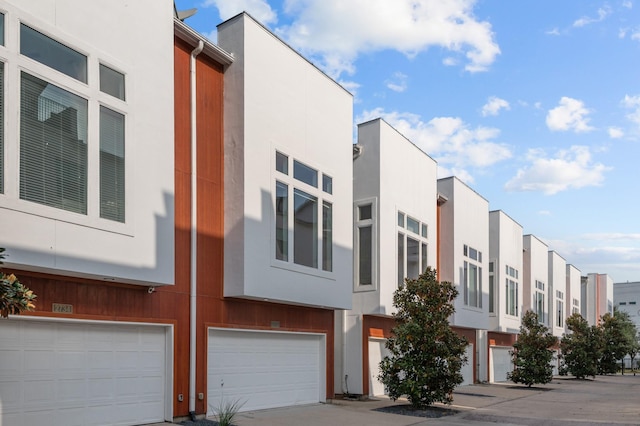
{"x": 596, "y": 297}
{"x": 463, "y": 259}
{"x": 505, "y": 291}
{"x": 574, "y": 298}
{"x": 557, "y": 293}
{"x": 536, "y": 273}
{"x": 395, "y": 236}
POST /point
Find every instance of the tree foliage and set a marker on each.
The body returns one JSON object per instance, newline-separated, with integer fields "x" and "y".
{"x": 426, "y": 354}
{"x": 581, "y": 348}
{"x": 532, "y": 353}
{"x": 15, "y": 298}
{"x": 618, "y": 340}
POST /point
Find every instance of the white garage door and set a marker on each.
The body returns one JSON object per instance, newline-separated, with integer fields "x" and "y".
{"x": 467, "y": 369}
{"x": 70, "y": 373}
{"x": 264, "y": 369}
{"x": 377, "y": 351}
{"x": 500, "y": 363}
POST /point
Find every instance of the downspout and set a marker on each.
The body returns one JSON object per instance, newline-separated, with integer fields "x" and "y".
{"x": 194, "y": 234}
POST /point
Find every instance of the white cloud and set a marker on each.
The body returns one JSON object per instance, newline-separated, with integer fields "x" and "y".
{"x": 628, "y": 4}
{"x": 337, "y": 31}
{"x": 612, "y": 236}
{"x": 450, "y": 61}
{"x": 554, "y": 31}
{"x": 603, "y": 12}
{"x": 544, "y": 213}
{"x": 494, "y": 105}
{"x": 632, "y": 103}
{"x": 259, "y": 9}
{"x": 452, "y": 142}
{"x": 398, "y": 83}
{"x": 569, "y": 169}
{"x": 570, "y": 114}
{"x": 635, "y": 35}
{"x": 615, "y": 132}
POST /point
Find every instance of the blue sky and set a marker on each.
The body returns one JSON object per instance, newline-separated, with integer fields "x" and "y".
{"x": 534, "y": 104}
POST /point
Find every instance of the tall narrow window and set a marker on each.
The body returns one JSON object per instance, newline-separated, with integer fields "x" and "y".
{"x": 112, "y": 165}
{"x": 53, "y": 146}
{"x": 400, "y": 260}
{"x": 492, "y": 292}
{"x": 327, "y": 236}
{"x": 282, "y": 220}
{"x": 305, "y": 229}
{"x": 52, "y": 53}
{"x": 2, "y": 121}
{"x": 364, "y": 235}
{"x": 413, "y": 258}
{"x": 1, "y": 29}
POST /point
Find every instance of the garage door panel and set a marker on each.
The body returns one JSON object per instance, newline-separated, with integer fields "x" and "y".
{"x": 90, "y": 373}
{"x": 264, "y": 370}
{"x": 500, "y": 363}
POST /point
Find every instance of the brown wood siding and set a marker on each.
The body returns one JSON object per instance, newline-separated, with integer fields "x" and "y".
{"x": 470, "y": 334}
{"x": 385, "y": 324}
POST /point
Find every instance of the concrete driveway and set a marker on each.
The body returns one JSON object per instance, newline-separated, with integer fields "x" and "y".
{"x": 563, "y": 402}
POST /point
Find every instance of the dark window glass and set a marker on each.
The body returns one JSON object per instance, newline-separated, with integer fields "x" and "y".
{"x": 282, "y": 163}
{"x": 51, "y": 53}
{"x": 305, "y": 174}
{"x": 327, "y": 184}
{"x": 282, "y": 219}
{"x": 365, "y": 251}
{"x": 305, "y": 229}
{"x": 364, "y": 212}
{"x": 112, "y": 202}
{"x": 111, "y": 82}
{"x": 327, "y": 236}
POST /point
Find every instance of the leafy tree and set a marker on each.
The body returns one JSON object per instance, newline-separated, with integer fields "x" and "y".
{"x": 15, "y": 298}
{"x": 581, "y": 347}
{"x": 619, "y": 339}
{"x": 532, "y": 353}
{"x": 426, "y": 354}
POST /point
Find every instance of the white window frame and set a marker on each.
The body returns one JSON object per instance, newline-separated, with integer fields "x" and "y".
{"x": 478, "y": 263}
{"x": 373, "y": 222}
{"x": 511, "y": 280}
{"x": 402, "y": 230}
{"x": 14, "y": 65}
{"x": 321, "y": 197}
{"x": 559, "y": 309}
{"x": 539, "y": 293}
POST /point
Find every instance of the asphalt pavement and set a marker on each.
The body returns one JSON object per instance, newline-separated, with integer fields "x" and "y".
{"x": 611, "y": 400}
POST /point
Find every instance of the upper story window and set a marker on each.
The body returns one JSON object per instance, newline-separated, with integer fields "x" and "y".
{"x": 365, "y": 245}
{"x": 538, "y": 301}
{"x": 492, "y": 290}
{"x": 111, "y": 82}
{"x": 511, "y": 287}
{"x": 576, "y": 306}
{"x": 472, "y": 277}
{"x": 2, "y": 127}
{"x": 71, "y": 118}
{"x": 52, "y": 53}
{"x": 559, "y": 308}
{"x": 412, "y": 247}
{"x": 303, "y": 217}
{"x": 1, "y": 29}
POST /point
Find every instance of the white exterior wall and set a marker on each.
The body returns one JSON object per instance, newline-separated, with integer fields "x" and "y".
{"x": 626, "y": 297}
{"x": 505, "y": 249}
{"x": 557, "y": 282}
{"x": 277, "y": 100}
{"x": 573, "y": 289}
{"x": 398, "y": 176}
{"x": 47, "y": 239}
{"x": 599, "y": 297}
{"x": 464, "y": 220}
{"x": 536, "y": 267}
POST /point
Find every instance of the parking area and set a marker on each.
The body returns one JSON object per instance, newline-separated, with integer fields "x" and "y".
{"x": 563, "y": 402}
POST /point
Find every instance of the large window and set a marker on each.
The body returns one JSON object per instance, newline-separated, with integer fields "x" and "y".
{"x": 576, "y": 306}
{"x": 538, "y": 301}
{"x": 304, "y": 237}
{"x": 472, "y": 277}
{"x": 53, "y": 145}
{"x": 492, "y": 290}
{"x": 66, "y": 128}
{"x": 412, "y": 247}
{"x": 511, "y": 288}
{"x": 364, "y": 245}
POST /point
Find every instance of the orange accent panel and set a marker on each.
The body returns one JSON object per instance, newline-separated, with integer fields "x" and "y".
{"x": 376, "y": 332}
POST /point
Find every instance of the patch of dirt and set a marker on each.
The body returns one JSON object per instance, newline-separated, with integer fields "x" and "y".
{"x": 407, "y": 410}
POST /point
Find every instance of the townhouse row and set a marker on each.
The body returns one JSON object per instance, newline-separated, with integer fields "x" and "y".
{"x": 199, "y": 226}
